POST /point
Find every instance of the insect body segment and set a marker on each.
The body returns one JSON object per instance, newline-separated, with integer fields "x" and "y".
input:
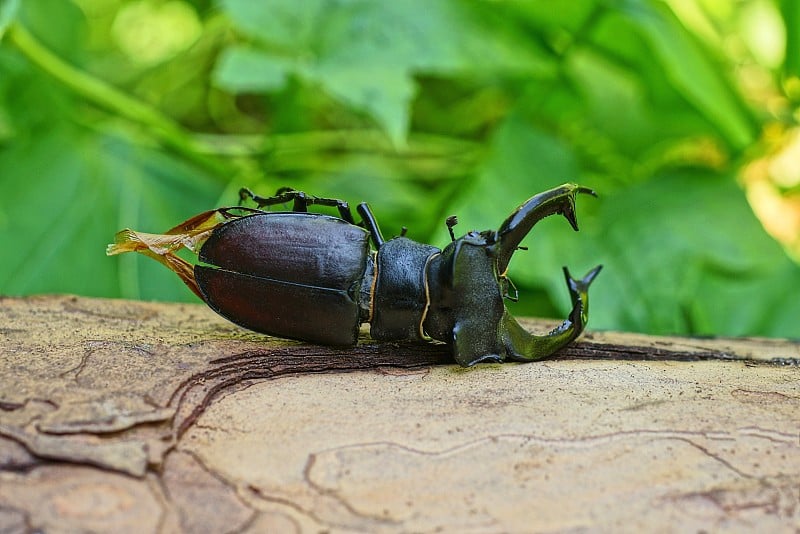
{"x": 315, "y": 278}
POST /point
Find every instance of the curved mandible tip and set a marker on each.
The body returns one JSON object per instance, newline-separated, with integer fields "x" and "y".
{"x": 559, "y": 200}
{"x": 520, "y": 345}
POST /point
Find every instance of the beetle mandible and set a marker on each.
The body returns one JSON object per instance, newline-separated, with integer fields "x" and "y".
{"x": 315, "y": 278}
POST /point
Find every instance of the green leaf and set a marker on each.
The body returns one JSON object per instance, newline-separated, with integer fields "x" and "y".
{"x": 67, "y": 191}
{"x": 523, "y": 160}
{"x": 790, "y": 11}
{"x": 683, "y": 253}
{"x": 687, "y": 255}
{"x": 241, "y": 69}
{"x": 8, "y": 13}
{"x": 366, "y": 54}
{"x": 382, "y": 92}
{"x": 289, "y": 25}
{"x": 61, "y": 26}
{"x": 691, "y": 71}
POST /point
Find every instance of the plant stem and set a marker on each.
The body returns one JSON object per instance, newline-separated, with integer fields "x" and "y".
{"x": 363, "y": 141}
{"x": 167, "y": 131}
{"x": 212, "y": 151}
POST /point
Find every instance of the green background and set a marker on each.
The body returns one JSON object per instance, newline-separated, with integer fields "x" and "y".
{"x": 141, "y": 114}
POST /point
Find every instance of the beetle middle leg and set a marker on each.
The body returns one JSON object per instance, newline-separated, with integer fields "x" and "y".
{"x": 369, "y": 222}
{"x": 300, "y": 199}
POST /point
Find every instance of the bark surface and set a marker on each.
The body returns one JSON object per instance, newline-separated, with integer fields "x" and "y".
{"x": 124, "y": 416}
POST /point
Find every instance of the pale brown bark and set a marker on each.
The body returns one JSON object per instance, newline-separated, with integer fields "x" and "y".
{"x": 143, "y": 417}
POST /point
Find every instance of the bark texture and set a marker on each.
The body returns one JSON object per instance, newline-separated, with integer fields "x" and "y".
{"x": 125, "y": 416}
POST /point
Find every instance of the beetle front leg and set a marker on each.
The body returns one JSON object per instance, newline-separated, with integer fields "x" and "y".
{"x": 522, "y": 346}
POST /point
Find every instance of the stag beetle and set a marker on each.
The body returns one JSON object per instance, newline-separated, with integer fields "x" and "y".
{"x": 315, "y": 278}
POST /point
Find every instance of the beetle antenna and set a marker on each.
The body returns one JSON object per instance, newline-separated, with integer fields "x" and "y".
{"x": 403, "y": 231}
{"x": 451, "y": 221}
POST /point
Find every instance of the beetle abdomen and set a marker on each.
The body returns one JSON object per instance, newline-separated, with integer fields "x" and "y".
{"x": 295, "y": 275}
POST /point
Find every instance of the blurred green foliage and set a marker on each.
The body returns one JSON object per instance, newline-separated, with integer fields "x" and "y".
{"x": 142, "y": 113}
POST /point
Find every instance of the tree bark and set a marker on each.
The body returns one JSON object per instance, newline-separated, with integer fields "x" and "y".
{"x": 125, "y": 416}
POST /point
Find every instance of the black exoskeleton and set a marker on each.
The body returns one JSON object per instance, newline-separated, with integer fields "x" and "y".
{"x": 315, "y": 278}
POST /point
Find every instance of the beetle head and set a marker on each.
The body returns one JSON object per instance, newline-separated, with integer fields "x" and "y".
{"x": 472, "y": 286}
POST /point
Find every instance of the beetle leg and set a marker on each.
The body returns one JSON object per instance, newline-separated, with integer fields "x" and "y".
{"x": 282, "y": 196}
{"x": 301, "y": 201}
{"x": 371, "y": 224}
{"x": 341, "y": 205}
{"x": 560, "y": 200}
{"x": 520, "y": 345}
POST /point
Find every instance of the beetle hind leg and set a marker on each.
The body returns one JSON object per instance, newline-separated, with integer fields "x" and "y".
{"x": 301, "y": 201}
